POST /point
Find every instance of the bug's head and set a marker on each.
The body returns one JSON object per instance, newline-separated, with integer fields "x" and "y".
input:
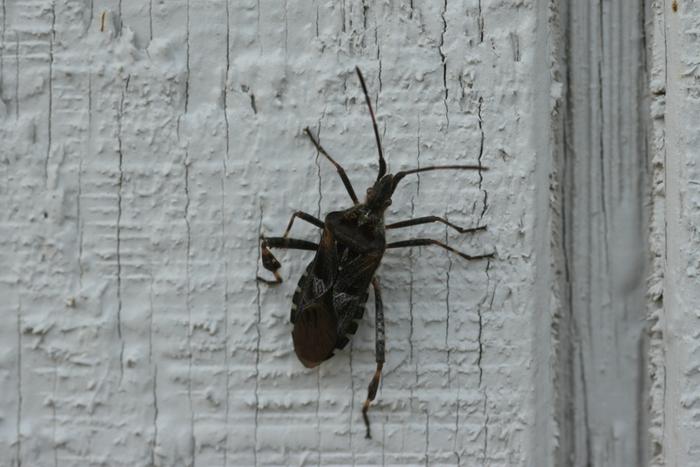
{"x": 379, "y": 195}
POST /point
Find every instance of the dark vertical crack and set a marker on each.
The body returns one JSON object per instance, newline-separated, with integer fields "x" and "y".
{"x": 411, "y": 258}
{"x": 18, "y": 426}
{"x": 379, "y": 77}
{"x": 223, "y": 228}
{"x": 481, "y": 324}
{"x": 252, "y": 103}
{"x": 154, "y": 367}
{"x": 225, "y": 93}
{"x": 120, "y": 25}
{"x": 447, "y": 308}
{"x": 443, "y": 61}
{"x": 80, "y": 187}
{"x": 352, "y": 401}
{"x": 80, "y": 174}
{"x": 316, "y": 20}
{"x": 318, "y": 166}
{"x": 575, "y": 350}
{"x": 481, "y": 155}
{"x": 226, "y": 322}
{"x": 17, "y": 76}
{"x": 92, "y": 15}
{"x": 50, "y": 112}
{"x": 188, "y": 304}
{"x": 154, "y": 392}
{"x": 454, "y": 445}
{"x": 515, "y": 46}
{"x": 54, "y": 420}
{"x": 2, "y": 53}
{"x": 585, "y": 394}
{"x": 481, "y": 216}
{"x": 78, "y": 222}
{"x": 120, "y": 185}
{"x": 257, "y": 346}
{"x": 418, "y": 143}
{"x": 286, "y": 30}
{"x": 365, "y": 8}
{"x": 410, "y": 251}
{"x": 481, "y": 24}
{"x": 641, "y": 402}
{"x": 427, "y": 438}
{"x": 257, "y": 32}
{"x": 485, "y": 448}
{"x": 386, "y": 420}
{"x": 569, "y": 328}
{"x": 378, "y": 57}
{"x": 150, "y": 20}
{"x": 187, "y": 55}
{"x": 318, "y": 417}
{"x": 644, "y": 418}
{"x": 601, "y": 159}
{"x": 410, "y": 297}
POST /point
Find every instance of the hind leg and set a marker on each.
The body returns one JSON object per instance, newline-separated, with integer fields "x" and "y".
{"x": 379, "y": 352}
{"x": 270, "y": 262}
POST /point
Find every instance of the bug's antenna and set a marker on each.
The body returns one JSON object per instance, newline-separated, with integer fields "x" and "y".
{"x": 382, "y": 163}
{"x": 399, "y": 175}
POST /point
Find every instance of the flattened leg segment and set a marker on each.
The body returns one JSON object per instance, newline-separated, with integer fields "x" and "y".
{"x": 379, "y": 353}
{"x": 270, "y": 262}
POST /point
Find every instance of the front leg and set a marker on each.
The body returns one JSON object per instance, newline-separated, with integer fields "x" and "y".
{"x": 429, "y": 241}
{"x": 428, "y": 219}
{"x": 303, "y": 216}
{"x": 271, "y": 263}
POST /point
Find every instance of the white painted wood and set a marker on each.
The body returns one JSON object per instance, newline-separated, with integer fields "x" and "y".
{"x": 145, "y": 146}
{"x": 676, "y": 352}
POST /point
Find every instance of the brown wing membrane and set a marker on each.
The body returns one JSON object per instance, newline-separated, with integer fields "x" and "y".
{"x": 315, "y": 332}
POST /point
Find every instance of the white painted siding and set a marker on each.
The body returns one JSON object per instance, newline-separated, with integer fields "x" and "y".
{"x": 145, "y": 146}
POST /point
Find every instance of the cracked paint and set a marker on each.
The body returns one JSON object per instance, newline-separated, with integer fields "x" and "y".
{"x": 188, "y": 304}
{"x": 49, "y": 115}
{"x": 199, "y": 152}
{"x": 120, "y": 185}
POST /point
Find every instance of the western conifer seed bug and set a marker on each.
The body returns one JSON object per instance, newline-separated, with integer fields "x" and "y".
{"x": 333, "y": 290}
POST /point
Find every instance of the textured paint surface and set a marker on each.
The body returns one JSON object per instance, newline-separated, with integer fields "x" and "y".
{"x": 657, "y": 231}
{"x": 146, "y": 145}
{"x": 681, "y": 291}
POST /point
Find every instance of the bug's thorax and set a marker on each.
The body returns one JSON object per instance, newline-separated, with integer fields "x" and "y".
{"x": 369, "y": 215}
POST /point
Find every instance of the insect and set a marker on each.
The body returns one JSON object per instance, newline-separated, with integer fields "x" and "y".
{"x": 333, "y": 290}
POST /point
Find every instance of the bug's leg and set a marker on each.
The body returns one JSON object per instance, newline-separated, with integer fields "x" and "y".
{"x": 270, "y": 262}
{"x": 303, "y": 216}
{"x": 428, "y": 219}
{"x": 338, "y": 167}
{"x": 378, "y": 352}
{"x": 430, "y": 241}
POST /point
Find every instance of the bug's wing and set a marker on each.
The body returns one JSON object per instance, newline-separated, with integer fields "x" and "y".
{"x": 315, "y": 332}
{"x": 318, "y": 276}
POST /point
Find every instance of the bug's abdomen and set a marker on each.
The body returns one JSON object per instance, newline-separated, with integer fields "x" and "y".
{"x": 349, "y": 309}
{"x": 315, "y": 332}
